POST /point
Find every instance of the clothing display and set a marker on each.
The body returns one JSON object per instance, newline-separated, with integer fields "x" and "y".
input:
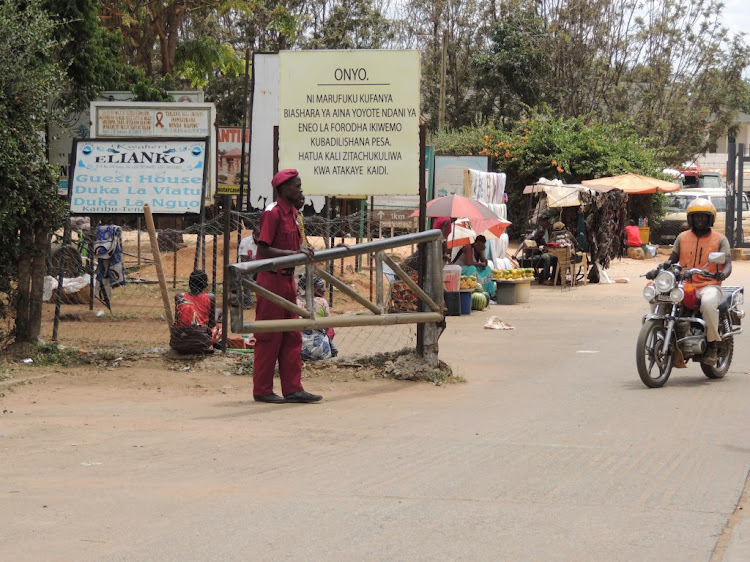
{"x": 487, "y": 187}
{"x": 110, "y": 272}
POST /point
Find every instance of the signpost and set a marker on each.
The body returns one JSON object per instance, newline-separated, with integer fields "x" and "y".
{"x": 349, "y": 121}
{"x": 121, "y": 176}
{"x": 149, "y": 120}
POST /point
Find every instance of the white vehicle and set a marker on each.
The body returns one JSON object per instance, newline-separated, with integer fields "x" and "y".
{"x": 675, "y": 220}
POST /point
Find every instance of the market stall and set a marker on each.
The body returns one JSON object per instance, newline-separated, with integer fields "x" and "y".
{"x": 599, "y": 211}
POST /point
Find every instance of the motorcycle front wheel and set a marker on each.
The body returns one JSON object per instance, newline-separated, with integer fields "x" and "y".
{"x": 726, "y": 351}
{"x": 654, "y": 366}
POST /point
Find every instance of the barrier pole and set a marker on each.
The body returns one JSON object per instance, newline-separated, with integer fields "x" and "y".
{"x": 157, "y": 263}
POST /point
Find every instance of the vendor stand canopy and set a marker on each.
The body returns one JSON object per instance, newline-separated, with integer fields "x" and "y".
{"x": 634, "y": 184}
{"x": 560, "y": 194}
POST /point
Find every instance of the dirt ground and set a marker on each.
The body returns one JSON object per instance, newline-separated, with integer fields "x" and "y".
{"x": 129, "y": 351}
{"x": 544, "y": 452}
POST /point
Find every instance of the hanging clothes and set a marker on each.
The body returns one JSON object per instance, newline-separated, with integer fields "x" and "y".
{"x": 110, "y": 272}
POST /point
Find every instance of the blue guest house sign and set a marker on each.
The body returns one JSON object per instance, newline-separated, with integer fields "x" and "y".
{"x": 115, "y": 176}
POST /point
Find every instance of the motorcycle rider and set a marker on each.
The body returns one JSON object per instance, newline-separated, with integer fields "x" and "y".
{"x": 691, "y": 249}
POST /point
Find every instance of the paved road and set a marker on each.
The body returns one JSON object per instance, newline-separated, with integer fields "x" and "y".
{"x": 554, "y": 450}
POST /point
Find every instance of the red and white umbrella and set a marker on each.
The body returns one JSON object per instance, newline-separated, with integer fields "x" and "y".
{"x": 457, "y": 206}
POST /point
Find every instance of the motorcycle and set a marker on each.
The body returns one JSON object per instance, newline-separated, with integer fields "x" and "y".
{"x": 675, "y": 331}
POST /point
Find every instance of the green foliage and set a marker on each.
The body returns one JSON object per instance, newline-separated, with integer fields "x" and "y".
{"x": 146, "y": 88}
{"x": 555, "y": 148}
{"x": 198, "y": 59}
{"x": 511, "y": 75}
{"x": 88, "y": 52}
{"x": 353, "y": 24}
{"x": 29, "y": 78}
{"x": 52, "y": 355}
{"x": 227, "y": 92}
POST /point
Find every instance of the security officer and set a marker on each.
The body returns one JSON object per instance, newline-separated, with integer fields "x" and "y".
{"x": 280, "y": 236}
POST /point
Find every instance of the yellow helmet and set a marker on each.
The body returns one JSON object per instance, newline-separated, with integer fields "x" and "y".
{"x": 701, "y": 205}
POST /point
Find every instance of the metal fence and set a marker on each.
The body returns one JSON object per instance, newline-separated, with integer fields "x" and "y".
{"x": 136, "y": 318}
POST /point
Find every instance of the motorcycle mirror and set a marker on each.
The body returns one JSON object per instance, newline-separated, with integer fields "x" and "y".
{"x": 717, "y": 257}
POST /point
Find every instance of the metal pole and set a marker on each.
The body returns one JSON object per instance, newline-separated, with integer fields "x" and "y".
{"x": 327, "y": 238}
{"x": 422, "y": 227}
{"x": 369, "y": 239}
{"x": 731, "y": 192}
{"x": 226, "y": 287}
{"x": 739, "y": 194}
{"x": 174, "y": 265}
{"x": 244, "y": 131}
{"x": 331, "y": 254}
{"x": 61, "y": 272}
{"x": 362, "y": 210}
{"x": 243, "y": 151}
{"x": 138, "y": 226}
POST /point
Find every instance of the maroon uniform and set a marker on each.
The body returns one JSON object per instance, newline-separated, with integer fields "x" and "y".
{"x": 279, "y": 229}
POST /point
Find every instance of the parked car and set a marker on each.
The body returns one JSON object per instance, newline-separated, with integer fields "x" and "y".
{"x": 675, "y": 220}
{"x": 691, "y": 179}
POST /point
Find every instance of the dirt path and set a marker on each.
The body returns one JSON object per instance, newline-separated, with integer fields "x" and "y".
{"x": 552, "y": 450}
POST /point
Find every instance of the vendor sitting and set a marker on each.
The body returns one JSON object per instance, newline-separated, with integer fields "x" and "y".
{"x": 473, "y": 262}
{"x": 561, "y": 236}
{"x": 195, "y": 329}
{"x": 538, "y": 255}
{"x": 633, "y": 235}
{"x": 316, "y": 344}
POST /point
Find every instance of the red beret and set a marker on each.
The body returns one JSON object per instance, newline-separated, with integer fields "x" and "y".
{"x": 282, "y": 176}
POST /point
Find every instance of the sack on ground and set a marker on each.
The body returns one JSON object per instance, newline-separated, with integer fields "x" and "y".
{"x": 190, "y": 339}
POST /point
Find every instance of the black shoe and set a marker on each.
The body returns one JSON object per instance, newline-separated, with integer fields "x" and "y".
{"x": 302, "y": 397}
{"x": 270, "y": 399}
{"x": 711, "y": 357}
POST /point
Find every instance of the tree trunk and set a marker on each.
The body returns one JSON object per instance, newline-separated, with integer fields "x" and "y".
{"x": 23, "y": 297}
{"x": 38, "y": 272}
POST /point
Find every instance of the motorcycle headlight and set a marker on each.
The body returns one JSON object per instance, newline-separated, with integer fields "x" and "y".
{"x": 676, "y": 295}
{"x": 649, "y": 292}
{"x": 665, "y": 281}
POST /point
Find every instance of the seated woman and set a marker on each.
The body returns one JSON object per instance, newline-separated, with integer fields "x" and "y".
{"x": 633, "y": 235}
{"x": 195, "y": 329}
{"x": 316, "y": 344}
{"x": 473, "y": 262}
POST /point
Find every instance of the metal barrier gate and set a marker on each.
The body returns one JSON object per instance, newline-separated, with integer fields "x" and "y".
{"x": 736, "y": 169}
{"x": 430, "y": 295}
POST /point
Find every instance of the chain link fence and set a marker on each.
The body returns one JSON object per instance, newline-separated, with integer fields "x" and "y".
{"x": 136, "y": 317}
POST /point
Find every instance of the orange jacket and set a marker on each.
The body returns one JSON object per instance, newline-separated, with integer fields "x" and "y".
{"x": 694, "y": 253}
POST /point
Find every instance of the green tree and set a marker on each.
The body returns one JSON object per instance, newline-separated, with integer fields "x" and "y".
{"x": 462, "y": 26}
{"x": 668, "y": 65}
{"x": 545, "y": 145}
{"x": 512, "y": 74}
{"x": 85, "y": 49}
{"x": 352, "y": 24}
{"x": 31, "y": 209}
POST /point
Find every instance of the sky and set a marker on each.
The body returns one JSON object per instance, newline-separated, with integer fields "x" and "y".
{"x": 737, "y": 19}
{"x": 737, "y": 16}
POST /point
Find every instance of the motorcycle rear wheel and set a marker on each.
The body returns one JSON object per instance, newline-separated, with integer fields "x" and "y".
{"x": 649, "y": 355}
{"x": 726, "y": 351}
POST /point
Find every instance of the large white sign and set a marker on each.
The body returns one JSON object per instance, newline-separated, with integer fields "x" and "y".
{"x": 120, "y": 176}
{"x": 149, "y": 120}
{"x": 349, "y": 121}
